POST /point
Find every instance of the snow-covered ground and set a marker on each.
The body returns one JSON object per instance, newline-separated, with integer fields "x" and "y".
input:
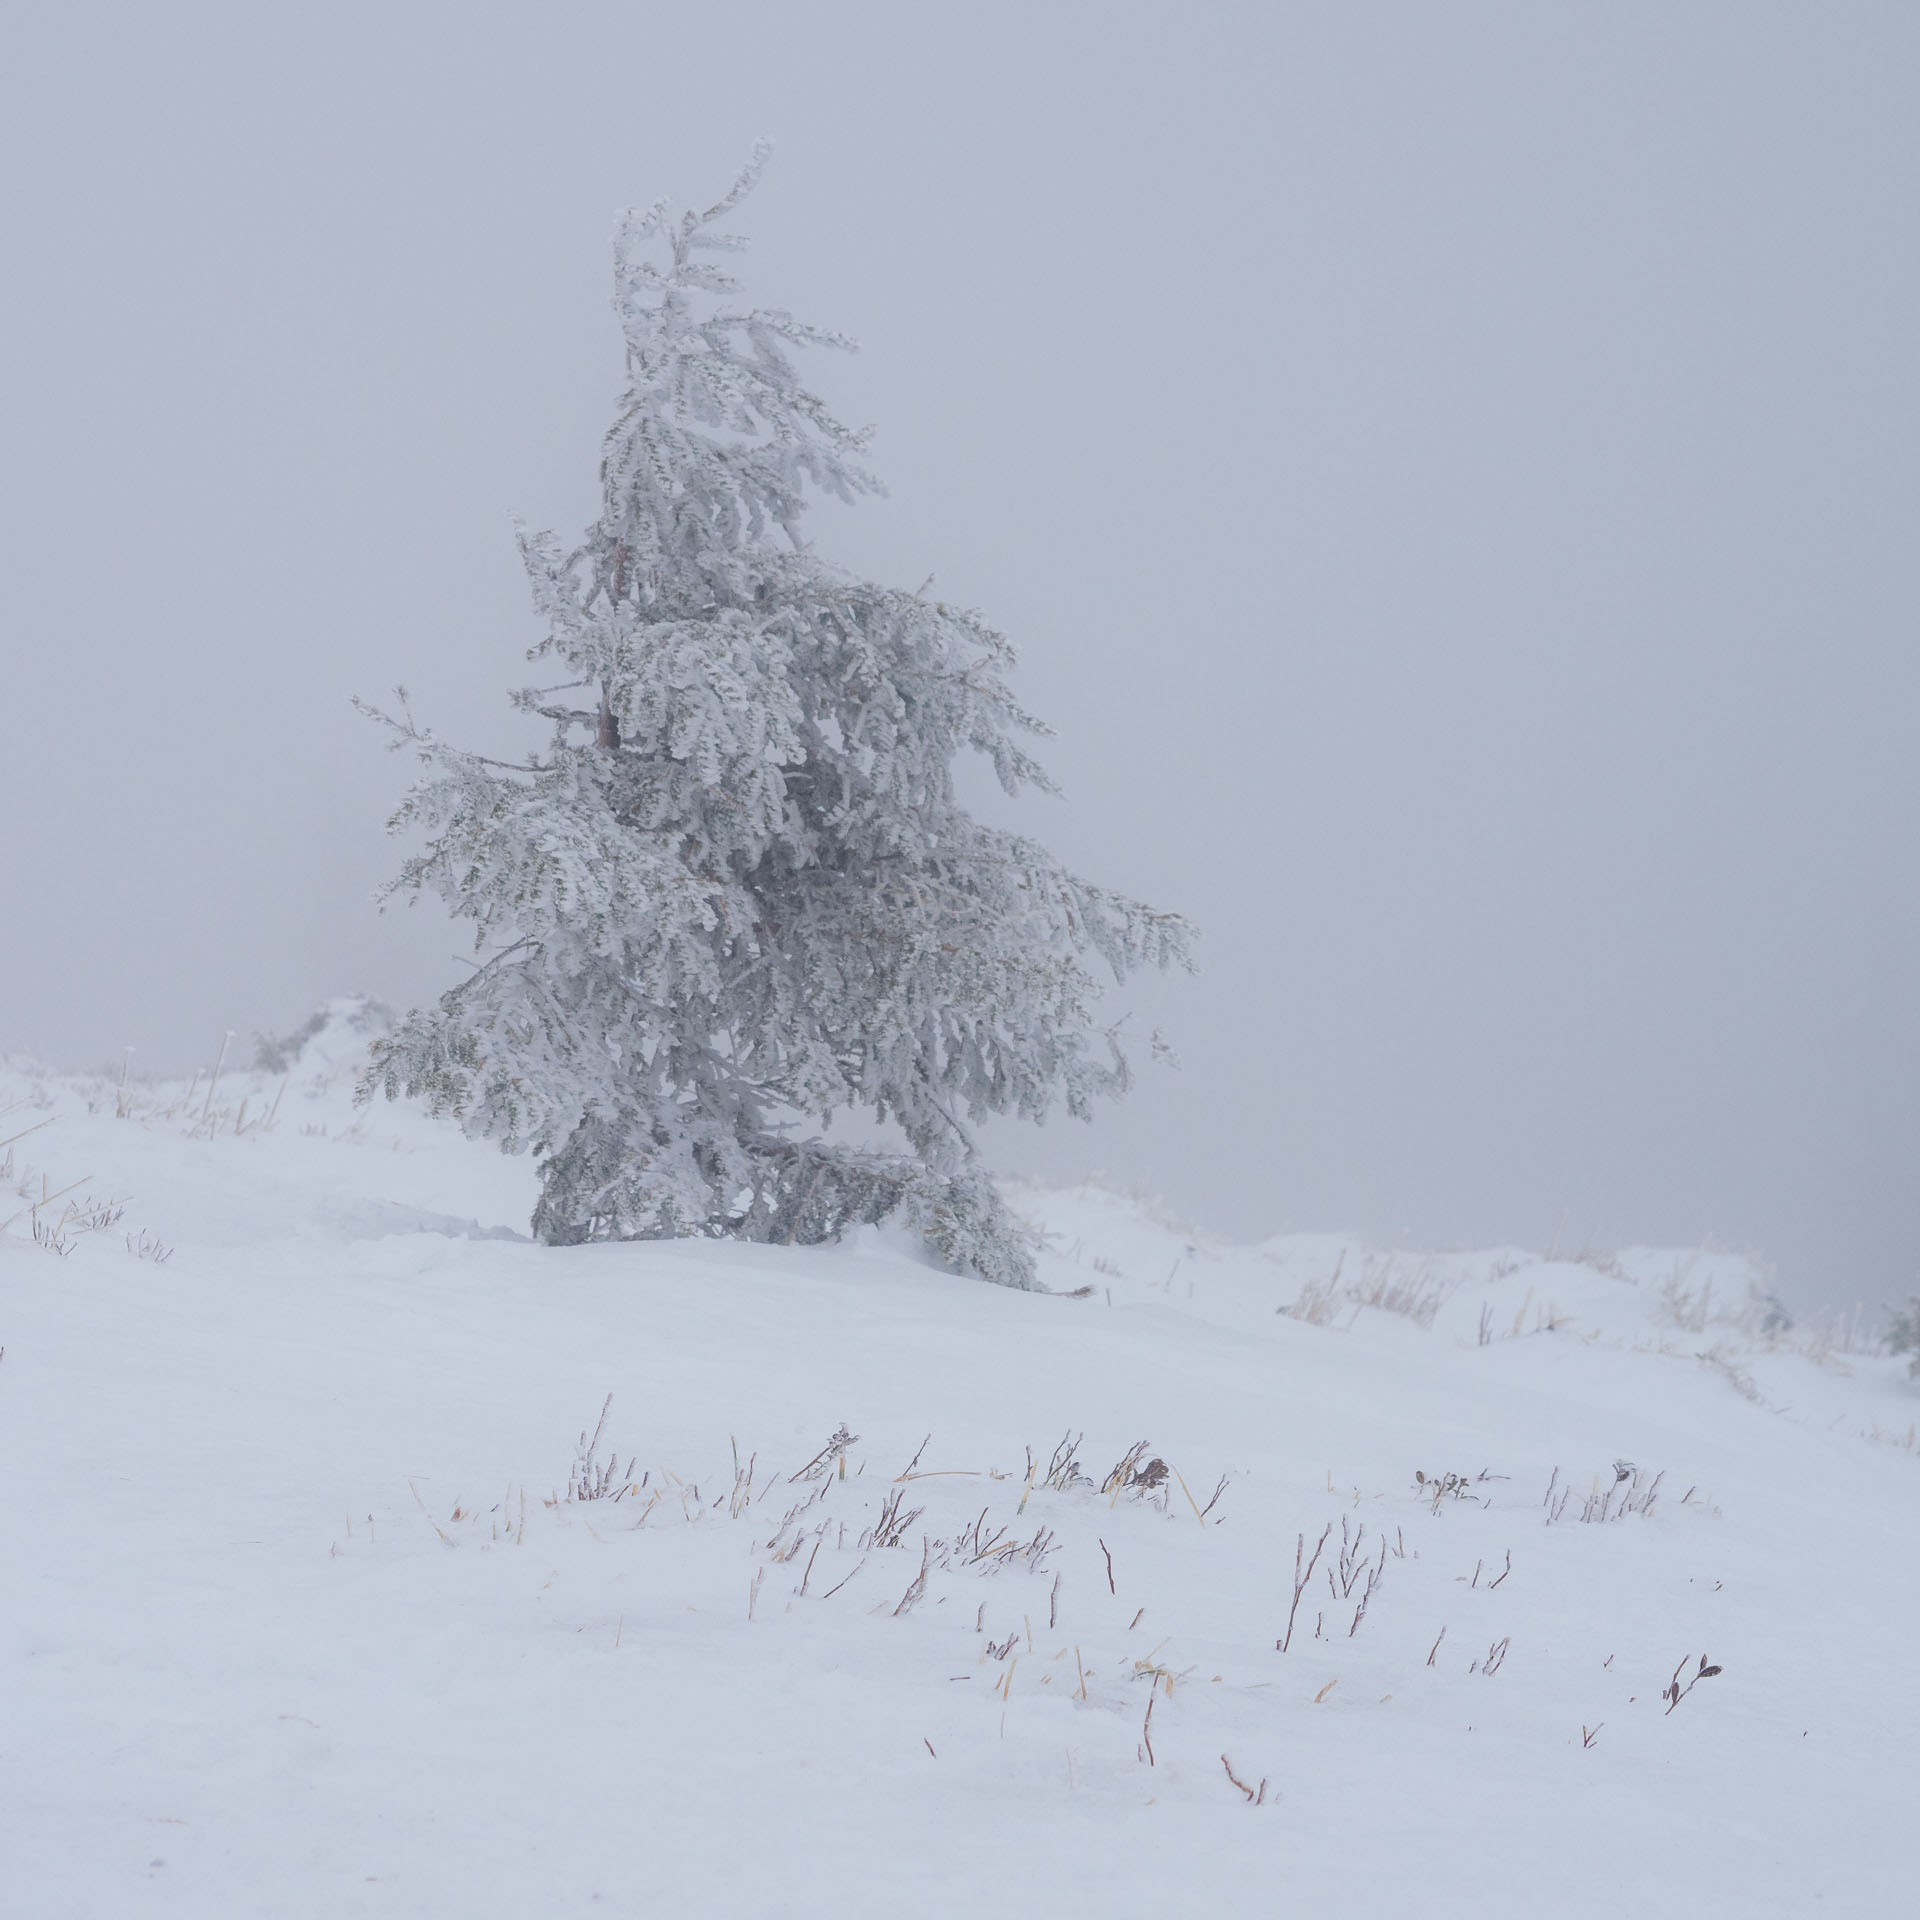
{"x": 297, "y": 1616}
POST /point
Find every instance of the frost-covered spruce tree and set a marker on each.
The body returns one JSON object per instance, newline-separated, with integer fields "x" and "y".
{"x": 735, "y": 895}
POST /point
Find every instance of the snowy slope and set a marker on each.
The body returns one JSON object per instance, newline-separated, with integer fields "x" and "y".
{"x": 297, "y": 1618}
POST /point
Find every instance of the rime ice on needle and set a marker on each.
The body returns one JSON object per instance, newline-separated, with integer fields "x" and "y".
{"x": 736, "y": 893}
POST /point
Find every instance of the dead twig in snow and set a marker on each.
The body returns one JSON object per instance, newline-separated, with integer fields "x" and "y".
{"x": 1674, "y": 1692}
{"x": 890, "y": 1528}
{"x": 823, "y": 1461}
{"x": 590, "y": 1480}
{"x": 808, "y": 1575}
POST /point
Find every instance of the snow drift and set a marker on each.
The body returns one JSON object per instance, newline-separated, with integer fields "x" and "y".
{"x": 335, "y": 1583}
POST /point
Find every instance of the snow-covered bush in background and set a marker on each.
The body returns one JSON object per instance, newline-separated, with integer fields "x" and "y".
{"x": 330, "y": 1044}
{"x": 736, "y": 892}
{"x": 1903, "y": 1334}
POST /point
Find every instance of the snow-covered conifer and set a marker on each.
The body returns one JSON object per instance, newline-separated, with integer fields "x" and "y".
{"x": 735, "y": 895}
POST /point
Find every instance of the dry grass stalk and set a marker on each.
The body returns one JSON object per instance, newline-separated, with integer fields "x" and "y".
{"x": 742, "y": 1494}
{"x": 831, "y": 1591}
{"x": 778, "y": 1544}
{"x": 1300, "y": 1581}
{"x": 206, "y": 1112}
{"x": 918, "y": 1585}
{"x": 6, "y": 1167}
{"x": 1720, "y": 1357}
{"x": 422, "y": 1505}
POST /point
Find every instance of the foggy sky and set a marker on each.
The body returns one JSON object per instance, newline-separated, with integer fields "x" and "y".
{"x": 1451, "y": 472}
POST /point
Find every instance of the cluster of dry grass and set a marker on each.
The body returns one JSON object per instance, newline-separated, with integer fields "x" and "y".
{"x": 199, "y": 1109}
{"x": 1632, "y": 1493}
{"x": 833, "y": 1528}
{"x": 1415, "y": 1292}
{"x": 59, "y": 1217}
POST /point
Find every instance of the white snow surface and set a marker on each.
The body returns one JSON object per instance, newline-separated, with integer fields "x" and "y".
{"x": 297, "y": 1617}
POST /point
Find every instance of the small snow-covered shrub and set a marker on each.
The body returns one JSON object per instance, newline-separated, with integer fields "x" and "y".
{"x": 1837, "y": 1331}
